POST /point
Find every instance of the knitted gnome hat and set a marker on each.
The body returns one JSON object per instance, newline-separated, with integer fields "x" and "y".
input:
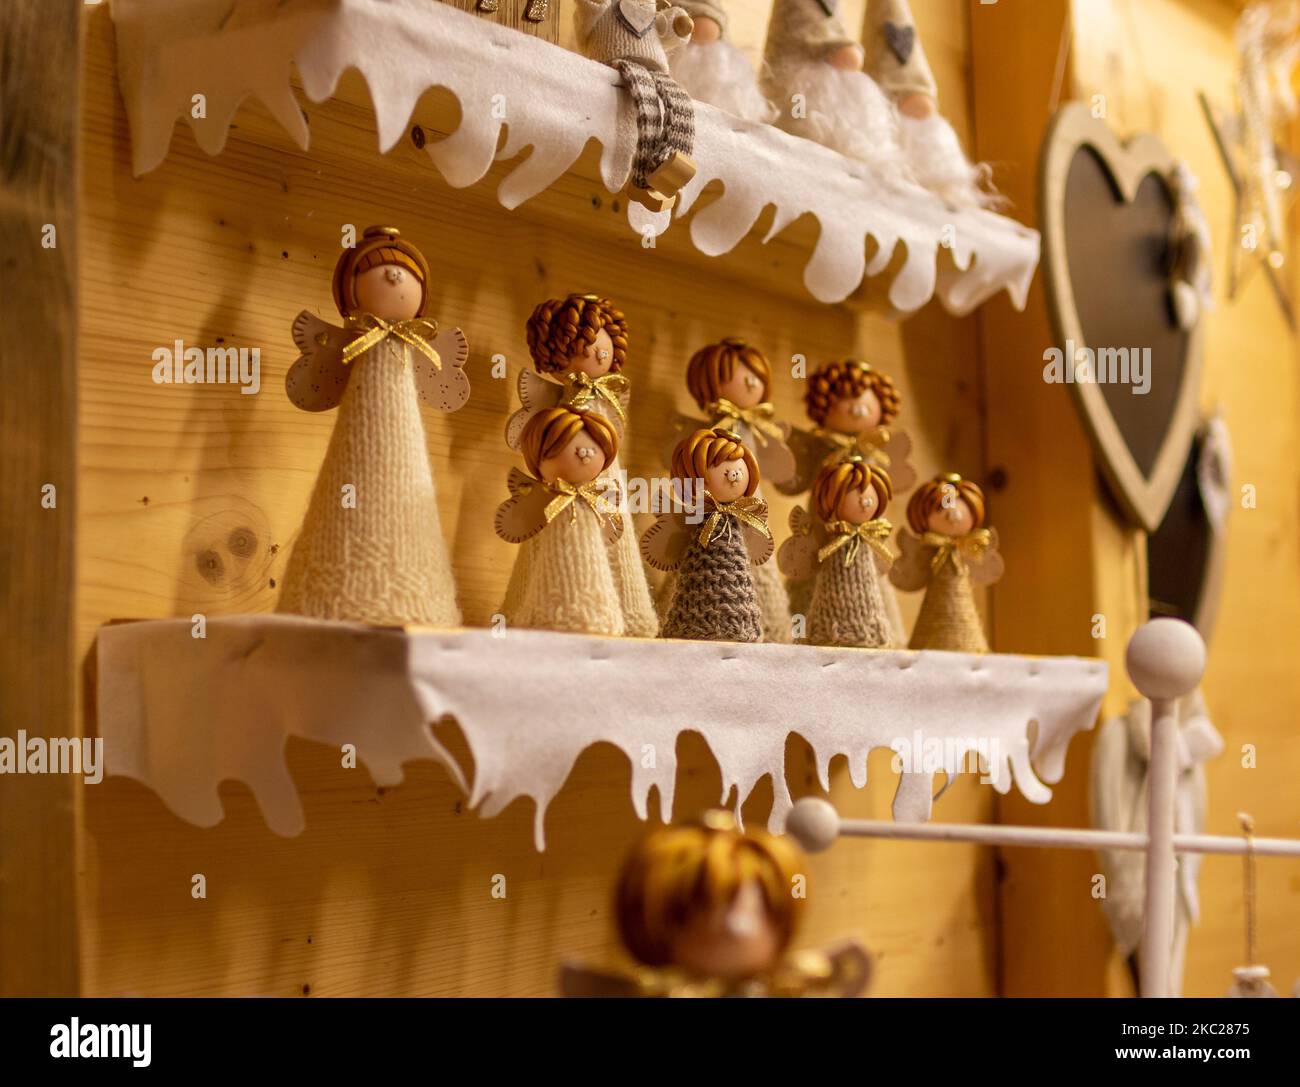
{"x": 802, "y": 30}
{"x": 379, "y": 246}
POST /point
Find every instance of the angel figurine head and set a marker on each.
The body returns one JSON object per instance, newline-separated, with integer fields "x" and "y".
{"x": 720, "y": 460}
{"x": 730, "y": 370}
{"x": 583, "y": 333}
{"x": 947, "y": 506}
{"x": 568, "y": 444}
{"x": 850, "y": 397}
{"x": 852, "y": 491}
{"x": 383, "y": 275}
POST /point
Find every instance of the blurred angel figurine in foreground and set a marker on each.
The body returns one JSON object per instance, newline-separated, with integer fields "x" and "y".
{"x": 708, "y": 910}
{"x": 371, "y": 547}
{"x": 730, "y": 382}
{"x": 635, "y": 37}
{"x": 813, "y": 75}
{"x": 713, "y": 70}
{"x": 896, "y": 60}
{"x": 843, "y": 544}
{"x": 950, "y": 551}
{"x": 565, "y": 513}
{"x": 713, "y": 598}
{"x": 579, "y": 347}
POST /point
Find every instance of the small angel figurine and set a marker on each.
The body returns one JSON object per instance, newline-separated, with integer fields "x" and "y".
{"x": 371, "y": 547}
{"x": 730, "y": 382}
{"x": 579, "y": 346}
{"x": 713, "y": 70}
{"x": 565, "y": 512}
{"x": 707, "y": 910}
{"x": 896, "y": 61}
{"x": 951, "y": 549}
{"x": 635, "y": 37}
{"x": 813, "y": 75}
{"x": 844, "y": 545}
{"x": 713, "y": 597}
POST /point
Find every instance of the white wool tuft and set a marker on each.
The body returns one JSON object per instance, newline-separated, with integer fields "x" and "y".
{"x": 844, "y": 110}
{"x": 940, "y": 165}
{"x": 720, "y": 74}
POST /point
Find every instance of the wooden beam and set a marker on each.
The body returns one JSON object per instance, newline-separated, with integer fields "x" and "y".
{"x": 39, "y": 81}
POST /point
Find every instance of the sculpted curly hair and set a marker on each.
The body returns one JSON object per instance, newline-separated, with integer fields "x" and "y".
{"x": 709, "y": 448}
{"x": 849, "y": 379}
{"x": 835, "y": 481}
{"x": 929, "y": 497}
{"x": 712, "y": 367}
{"x": 563, "y": 327}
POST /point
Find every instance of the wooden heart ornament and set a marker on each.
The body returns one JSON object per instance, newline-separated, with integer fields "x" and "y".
{"x": 1107, "y": 211}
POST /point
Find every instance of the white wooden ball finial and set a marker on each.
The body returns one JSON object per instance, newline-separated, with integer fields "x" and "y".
{"x": 1165, "y": 659}
{"x": 813, "y": 823}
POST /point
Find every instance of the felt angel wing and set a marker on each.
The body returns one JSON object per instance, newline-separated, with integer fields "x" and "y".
{"x": 798, "y": 555}
{"x": 523, "y": 514}
{"x": 759, "y": 545}
{"x": 665, "y": 541}
{"x": 911, "y": 570}
{"x": 317, "y": 381}
{"x": 536, "y": 393}
{"x": 892, "y": 449}
{"x": 776, "y": 460}
{"x": 986, "y": 566}
{"x": 444, "y": 387}
{"x": 809, "y": 452}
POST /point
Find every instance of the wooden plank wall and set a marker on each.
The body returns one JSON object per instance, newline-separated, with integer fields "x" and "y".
{"x": 389, "y": 891}
{"x": 39, "y": 81}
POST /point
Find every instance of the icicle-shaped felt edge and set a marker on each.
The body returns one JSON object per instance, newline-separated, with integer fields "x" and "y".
{"x": 181, "y": 714}
{"x": 551, "y": 102}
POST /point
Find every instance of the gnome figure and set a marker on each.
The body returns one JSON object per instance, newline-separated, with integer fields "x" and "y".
{"x": 814, "y": 78}
{"x": 713, "y": 70}
{"x": 896, "y": 60}
{"x": 635, "y": 37}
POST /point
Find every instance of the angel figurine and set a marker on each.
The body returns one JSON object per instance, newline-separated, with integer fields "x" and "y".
{"x": 635, "y": 37}
{"x": 713, "y": 597}
{"x": 951, "y": 549}
{"x": 579, "y": 347}
{"x": 730, "y": 382}
{"x": 371, "y": 547}
{"x": 813, "y": 75}
{"x": 852, "y": 407}
{"x": 713, "y": 70}
{"x": 565, "y": 513}
{"x": 843, "y": 545}
{"x": 706, "y": 910}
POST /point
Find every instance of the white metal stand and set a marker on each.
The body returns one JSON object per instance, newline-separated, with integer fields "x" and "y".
{"x": 1165, "y": 660}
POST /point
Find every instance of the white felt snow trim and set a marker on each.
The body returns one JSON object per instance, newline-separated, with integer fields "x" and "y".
{"x": 554, "y": 101}
{"x": 182, "y": 714}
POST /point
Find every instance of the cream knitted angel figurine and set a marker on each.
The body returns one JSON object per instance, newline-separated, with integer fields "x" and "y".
{"x": 579, "y": 346}
{"x": 371, "y": 547}
{"x": 853, "y": 408}
{"x": 813, "y": 75}
{"x": 730, "y": 382}
{"x": 843, "y": 544}
{"x": 713, "y": 70}
{"x": 565, "y": 513}
{"x": 951, "y": 549}
{"x": 897, "y": 62}
{"x": 713, "y": 597}
{"x": 635, "y": 37}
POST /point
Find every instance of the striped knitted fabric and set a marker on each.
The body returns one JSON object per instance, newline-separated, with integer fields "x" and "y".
{"x": 714, "y": 598}
{"x": 384, "y": 561}
{"x": 665, "y": 118}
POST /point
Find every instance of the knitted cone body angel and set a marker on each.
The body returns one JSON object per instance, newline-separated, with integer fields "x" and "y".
{"x": 730, "y": 382}
{"x": 950, "y": 552}
{"x": 565, "y": 514}
{"x": 579, "y": 346}
{"x": 713, "y": 596}
{"x": 842, "y": 544}
{"x": 371, "y": 547}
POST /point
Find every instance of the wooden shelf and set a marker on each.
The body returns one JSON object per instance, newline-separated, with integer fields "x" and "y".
{"x": 182, "y": 714}
{"x": 521, "y": 100}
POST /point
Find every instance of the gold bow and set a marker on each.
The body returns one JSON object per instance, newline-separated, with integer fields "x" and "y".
{"x": 957, "y": 548}
{"x": 608, "y": 387}
{"x": 806, "y": 973}
{"x": 375, "y": 330}
{"x": 870, "y": 444}
{"x": 849, "y": 538}
{"x": 746, "y": 509}
{"x": 592, "y": 493}
{"x": 758, "y": 418}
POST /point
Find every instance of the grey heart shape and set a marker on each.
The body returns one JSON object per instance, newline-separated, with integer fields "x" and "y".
{"x": 901, "y": 40}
